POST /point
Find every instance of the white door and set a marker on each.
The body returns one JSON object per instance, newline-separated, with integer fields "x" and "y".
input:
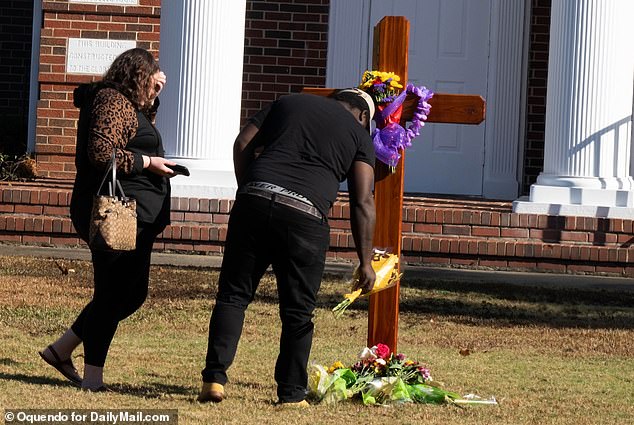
{"x": 448, "y": 52}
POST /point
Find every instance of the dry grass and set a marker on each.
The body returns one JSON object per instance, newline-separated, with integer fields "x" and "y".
{"x": 550, "y": 356}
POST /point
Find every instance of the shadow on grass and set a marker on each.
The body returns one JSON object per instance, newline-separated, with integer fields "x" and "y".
{"x": 149, "y": 390}
{"x": 514, "y": 305}
{"x": 34, "y": 379}
{"x": 470, "y": 302}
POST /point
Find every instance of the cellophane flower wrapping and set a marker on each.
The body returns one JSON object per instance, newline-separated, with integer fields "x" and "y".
{"x": 380, "y": 377}
{"x": 385, "y": 265}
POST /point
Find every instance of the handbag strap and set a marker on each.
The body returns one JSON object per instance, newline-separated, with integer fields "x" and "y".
{"x": 112, "y": 186}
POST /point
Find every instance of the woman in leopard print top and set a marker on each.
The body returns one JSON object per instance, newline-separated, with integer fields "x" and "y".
{"x": 117, "y": 115}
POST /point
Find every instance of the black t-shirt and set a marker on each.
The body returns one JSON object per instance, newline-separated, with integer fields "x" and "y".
{"x": 310, "y": 143}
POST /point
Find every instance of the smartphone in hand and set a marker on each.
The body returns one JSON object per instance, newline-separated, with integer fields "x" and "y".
{"x": 178, "y": 169}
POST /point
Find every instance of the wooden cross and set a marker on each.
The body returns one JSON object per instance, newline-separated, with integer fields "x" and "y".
{"x": 391, "y": 43}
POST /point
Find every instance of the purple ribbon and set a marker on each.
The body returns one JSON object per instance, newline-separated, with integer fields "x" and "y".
{"x": 389, "y": 138}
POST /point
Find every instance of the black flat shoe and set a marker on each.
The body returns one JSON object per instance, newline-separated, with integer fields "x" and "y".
{"x": 62, "y": 366}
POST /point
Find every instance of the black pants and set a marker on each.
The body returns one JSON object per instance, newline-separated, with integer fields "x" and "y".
{"x": 263, "y": 233}
{"x": 121, "y": 285}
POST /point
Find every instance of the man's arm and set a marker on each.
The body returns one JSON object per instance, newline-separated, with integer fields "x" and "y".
{"x": 363, "y": 217}
{"x": 243, "y": 151}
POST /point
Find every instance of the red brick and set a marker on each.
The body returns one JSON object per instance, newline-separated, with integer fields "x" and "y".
{"x": 612, "y": 270}
{"x": 11, "y": 238}
{"x": 407, "y": 243}
{"x": 574, "y": 236}
{"x": 522, "y": 264}
{"x": 428, "y": 228}
{"x": 32, "y": 239}
{"x": 453, "y": 245}
{"x": 434, "y": 245}
{"x": 510, "y": 232}
{"x": 437, "y": 260}
{"x": 532, "y": 220}
{"x": 207, "y": 248}
{"x": 552, "y": 267}
{"x": 515, "y": 220}
{"x": 417, "y": 244}
{"x": 445, "y": 246}
{"x": 600, "y": 238}
{"x": 580, "y": 268}
{"x": 464, "y": 261}
{"x": 449, "y": 229}
{"x": 485, "y": 231}
{"x": 494, "y": 263}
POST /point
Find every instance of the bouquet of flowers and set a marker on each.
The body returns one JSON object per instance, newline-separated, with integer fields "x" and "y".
{"x": 389, "y": 136}
{"x": 381, "y": 377}
{"x": 385, "y": 267}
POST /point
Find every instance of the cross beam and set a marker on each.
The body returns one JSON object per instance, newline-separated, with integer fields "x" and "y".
{"x": 445, "y": 108}
{"x": 391, "y": 43}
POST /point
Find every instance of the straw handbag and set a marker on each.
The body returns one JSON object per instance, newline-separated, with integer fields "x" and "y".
{"x": 113, "y": 219}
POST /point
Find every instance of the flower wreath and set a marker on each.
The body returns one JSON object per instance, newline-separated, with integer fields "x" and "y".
{"x": 389, "y": 136}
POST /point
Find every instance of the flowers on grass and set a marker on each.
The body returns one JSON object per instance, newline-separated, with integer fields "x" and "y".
{"x": 381, "y": 377}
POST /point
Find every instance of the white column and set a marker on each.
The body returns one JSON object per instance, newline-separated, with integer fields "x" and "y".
{"x": 505, "y": 98}
{"x": 588, "y": 112}
{"x": 34, "y": 89}
{"x": 202, "y": 48}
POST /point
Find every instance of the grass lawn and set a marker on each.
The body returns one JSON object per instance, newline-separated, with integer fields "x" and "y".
{"x": 549, "y": 355}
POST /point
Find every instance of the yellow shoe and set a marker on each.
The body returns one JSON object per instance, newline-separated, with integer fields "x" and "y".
{"x": 294, "y": 405}
{"x": 211, "y": 392}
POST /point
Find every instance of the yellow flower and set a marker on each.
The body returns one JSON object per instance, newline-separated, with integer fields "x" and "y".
{"x": 367, "y": 84}
{"x": 336, "y": 365}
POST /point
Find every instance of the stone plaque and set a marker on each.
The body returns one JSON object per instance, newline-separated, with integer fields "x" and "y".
{"x": 93, "y": 56}
{"x": 108, "y": 2}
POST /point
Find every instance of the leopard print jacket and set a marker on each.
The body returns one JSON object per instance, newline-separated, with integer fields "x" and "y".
{"x": 114, "y": 123}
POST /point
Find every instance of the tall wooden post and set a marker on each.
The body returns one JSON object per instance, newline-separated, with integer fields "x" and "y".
{"x": 391, "y": 43}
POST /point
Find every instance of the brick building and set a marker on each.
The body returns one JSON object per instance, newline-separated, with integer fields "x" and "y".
{"x": 286, "y": 47}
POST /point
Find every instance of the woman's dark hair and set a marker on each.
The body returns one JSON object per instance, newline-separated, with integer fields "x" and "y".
{"x": 131, "y": 73}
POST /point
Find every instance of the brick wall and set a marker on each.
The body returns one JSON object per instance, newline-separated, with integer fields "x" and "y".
{"x": 284, "y": 51}
{"x": 56, "y": 115}
{"x": 537, "y": 78}
{"x": 436, "y": 231}
{"x": 16, "y": 25}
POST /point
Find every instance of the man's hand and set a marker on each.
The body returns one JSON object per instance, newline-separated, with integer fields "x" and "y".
{"x": 367, "y": 277}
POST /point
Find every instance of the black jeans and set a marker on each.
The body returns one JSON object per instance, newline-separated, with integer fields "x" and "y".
{"x": 121, "y": 286}
{"x": 262, "y": 233}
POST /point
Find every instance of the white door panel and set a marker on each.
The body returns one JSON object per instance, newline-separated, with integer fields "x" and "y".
{"x": 448, "y": 53}
{"x": 449, "y": 42}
